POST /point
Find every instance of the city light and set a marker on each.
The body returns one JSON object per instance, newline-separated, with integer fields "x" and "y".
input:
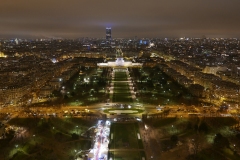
{"x": 103, "y": 97}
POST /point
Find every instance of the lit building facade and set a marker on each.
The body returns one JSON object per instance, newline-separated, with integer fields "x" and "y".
{"x": 108, "y": 33}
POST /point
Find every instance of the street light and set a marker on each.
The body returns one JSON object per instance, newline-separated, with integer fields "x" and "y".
{"x": 77, "y": 128}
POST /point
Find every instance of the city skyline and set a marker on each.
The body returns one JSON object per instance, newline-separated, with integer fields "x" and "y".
{"x": 73, "y": 19}
{"x": 112, "y": 99}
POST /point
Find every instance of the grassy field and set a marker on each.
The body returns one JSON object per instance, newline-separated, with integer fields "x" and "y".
{"x": 121, "y": 91}
{"x": 120, "y": 76}
{"x": 133, "y": 155}
{"x": 134, "y": 109}
{"x": 125, "y": 136}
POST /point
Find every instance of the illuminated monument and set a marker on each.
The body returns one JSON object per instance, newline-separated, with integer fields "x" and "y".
{"x": 119, "y": 63}
{"x": 119, "y": 56}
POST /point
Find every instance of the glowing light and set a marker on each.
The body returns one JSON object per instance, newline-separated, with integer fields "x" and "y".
{"x": 108, "y": 122}
{"x": 53, "y": 60}
{"x": 146, "y": 127}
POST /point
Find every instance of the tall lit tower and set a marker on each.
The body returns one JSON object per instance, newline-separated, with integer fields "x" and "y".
{"x": 108, "y": 33}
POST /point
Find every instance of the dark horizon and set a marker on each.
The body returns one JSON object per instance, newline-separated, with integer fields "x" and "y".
{"x": 151, "y": 19}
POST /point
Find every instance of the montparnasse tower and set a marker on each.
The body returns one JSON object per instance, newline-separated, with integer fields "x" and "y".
{"x": 108, "y": 33}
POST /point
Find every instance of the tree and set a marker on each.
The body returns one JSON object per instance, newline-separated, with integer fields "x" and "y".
{"x": 203, "y": 127}
{"x": 189, "y": 125}
{"x": 174, "y": 139}
{"x": 238, "y": 136}
{"x": 56, "y": 93}
{"x": 196, "y": 127}
{"x": 58, "y": 136}
{"x": 72, "y": 94}
{"x": 220, "y": 141}
{"x": 196, "y": 144}
{"x": 75, "y": 136}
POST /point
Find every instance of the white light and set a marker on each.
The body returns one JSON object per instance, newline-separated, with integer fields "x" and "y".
{"x": 108, "y": 123}
{"x": 146, "y": 127}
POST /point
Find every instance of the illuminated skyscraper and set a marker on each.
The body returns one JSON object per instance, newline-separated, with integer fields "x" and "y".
{"x": 108, "y": 33}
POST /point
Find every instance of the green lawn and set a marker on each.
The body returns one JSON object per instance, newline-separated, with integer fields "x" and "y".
{"x": 125, "y": 136}
{"x": 121, "y": 91}
{"x": 138, "y": 110}
{"x": 133, "y": 155}
{"x": 120, "y": 76}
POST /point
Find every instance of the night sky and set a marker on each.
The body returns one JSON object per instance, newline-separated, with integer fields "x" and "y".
{"x": 128, "y": 18}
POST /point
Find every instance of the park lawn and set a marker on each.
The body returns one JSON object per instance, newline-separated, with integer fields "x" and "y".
{"x": 121, "y": 91}
{"x": 120, "y": 76}
{"x": 138, "y": 110}
{"x": 216, "y": 122}
{"x": 164, "y": 122}
{"x": 123, "y": 98}
{"x": 124, "y": 136}
{"x": 131, "y": 155}
{"x": 140, "y": 142}
{"x": 213, "y": 154}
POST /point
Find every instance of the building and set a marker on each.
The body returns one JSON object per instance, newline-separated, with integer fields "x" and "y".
{"x": 119, "y": 63}
{"x": 45, "y": 91}
{"x": 108, "y": 33}
{"x": 196, "y": 90}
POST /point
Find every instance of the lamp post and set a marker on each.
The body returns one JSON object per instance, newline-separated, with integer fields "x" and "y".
{"x": 77, "y": 129}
